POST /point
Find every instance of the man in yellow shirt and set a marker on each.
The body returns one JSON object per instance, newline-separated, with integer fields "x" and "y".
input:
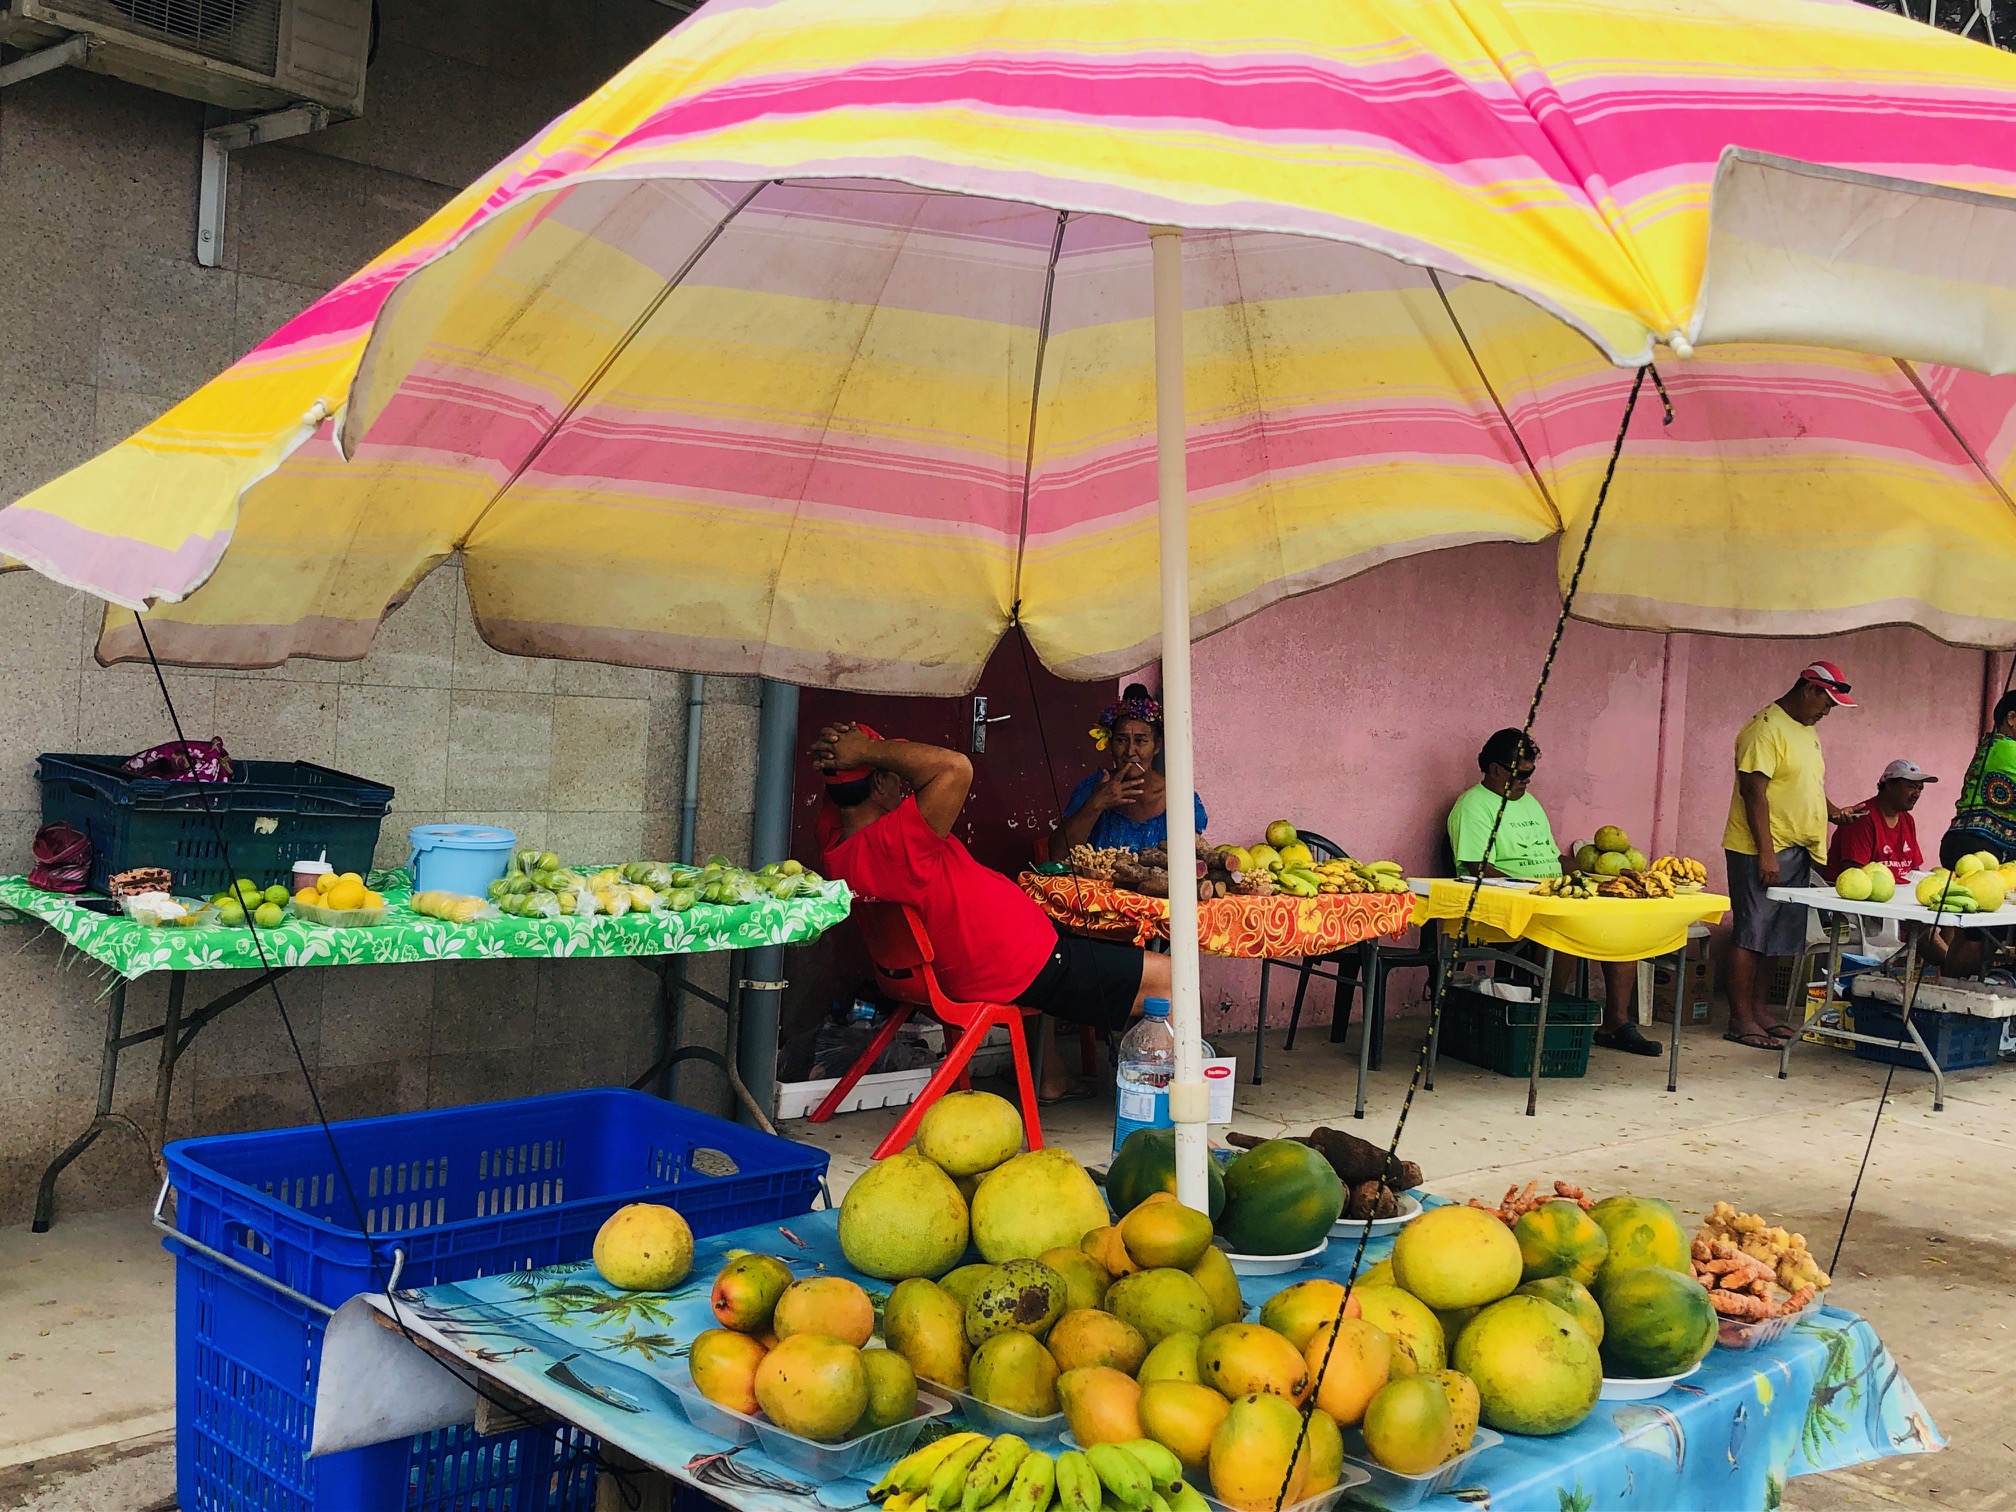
{"x": 1777, "y": 837}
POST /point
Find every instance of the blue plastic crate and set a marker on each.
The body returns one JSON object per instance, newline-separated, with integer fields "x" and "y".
{"x": 461, "y": 1192}
{"x": 1957, "y": 1041}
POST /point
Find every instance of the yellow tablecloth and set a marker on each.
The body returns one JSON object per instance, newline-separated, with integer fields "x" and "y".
{"x": 1595, "y": 929}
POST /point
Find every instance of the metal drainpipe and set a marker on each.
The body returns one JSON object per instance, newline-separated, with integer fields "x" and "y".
{"x": 760, "y": 990}
{"x": 673, "y": 1026}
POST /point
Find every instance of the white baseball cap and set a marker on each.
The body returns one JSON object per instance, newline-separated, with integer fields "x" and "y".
{"x": 1906, "y": 771}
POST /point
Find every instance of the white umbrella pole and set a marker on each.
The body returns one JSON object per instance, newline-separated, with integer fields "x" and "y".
{"x": 1188, "y": 1101}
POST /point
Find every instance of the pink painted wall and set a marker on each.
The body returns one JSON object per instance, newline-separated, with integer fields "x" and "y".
{"x": 1357, "y": 711}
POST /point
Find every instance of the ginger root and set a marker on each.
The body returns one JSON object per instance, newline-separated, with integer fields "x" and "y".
{"x": 1519, "y": 1201}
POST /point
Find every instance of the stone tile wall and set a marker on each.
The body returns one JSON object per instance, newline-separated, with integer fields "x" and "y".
{"x": 105, "y": 321}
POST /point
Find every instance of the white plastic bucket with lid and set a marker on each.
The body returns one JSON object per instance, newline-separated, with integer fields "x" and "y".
{"x": 459, "y": 858}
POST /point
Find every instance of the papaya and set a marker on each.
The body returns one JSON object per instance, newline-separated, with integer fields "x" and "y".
{"x": 1146, "y": 1164}
{"x": 1454, "y": 1257}
{"x": 1559, "y": 1239}
{"x": 1640, "y": 1231}
{"x": 1572, "y": 1297}
{"x": 1656, "y": 1322}
{"x": 1536, "y": 1369}
{"x": 1280, "y": 1199}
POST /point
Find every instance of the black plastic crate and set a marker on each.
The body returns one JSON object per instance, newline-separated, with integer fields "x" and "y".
{"x": 1498, "y": 1035}
{"x": 270, "y": 815}
{"x": 1958, "y": 1041}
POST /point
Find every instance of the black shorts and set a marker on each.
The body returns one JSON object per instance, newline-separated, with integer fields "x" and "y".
{"x": 1958, "y": 843}
{"x": 1087, "y": 982}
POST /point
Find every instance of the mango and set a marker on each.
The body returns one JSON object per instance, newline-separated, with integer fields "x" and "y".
{"x": 1326, "y": 1455}
{"x": 724, "y": 1364}
{"x": 1379, "y": 1273}
{"x": 1464, "y": 1405}
{"x": 966, "y": 1133}
{"x": 1160, "y": 1303}
{"x": 1086, "y": 1336}
{"x": 1165, "y": 1233}
{"x": 901, "y": 1218}
{"x": 1416, "y": 1333}
{"x": 1408, "y": 1425}
{"x": 746, "y": 1290}
{"x": 1537, "y": 1370}
{"x": 1174, "y": 1359}
{"x": 1296, "y": 1312}
{"x": 814, "y": 1386}
{"x": 1253, "y": 1455}
{"x": 1360, "y": 1364}
{"x": 1214, "y": 1273}
{"x": 963, "y": 1282}
{"x": 1085, "y": 1279}
{"x": 1183, "y": 1417}
{"x": 1104, "y": 1245}
{"x": 829, "y": 1305}
{"x": 1453, "y": 1320}
{"x": 1571, "y": 1296}
{"x": 1015, "y": 1372}
{"x": 927, "y": 1326}
{"x": 1024, "y": 1295}
{"x": 1034, "y": 1202}
{"x": 1101, "y": 1405}
{"x": 1242, "y": 1358}
{"x": 1454, "y": 1257}
{"x": 644, "y": 1246}
{"x": 892, "y": 1391}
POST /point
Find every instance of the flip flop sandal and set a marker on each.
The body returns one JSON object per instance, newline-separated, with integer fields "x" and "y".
{"x": 1081, "y": 1090}
{"x": 1632, "y": 1042}
{"x": 1757, "y": 1039}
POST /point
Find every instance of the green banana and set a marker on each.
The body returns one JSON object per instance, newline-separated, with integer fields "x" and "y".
{"x": 1164, "y": 1469}
{"x": 1123, "y": 1475}
{"x": 1035, "y": 1479}
{"x": 1187, "y": 1498}
{"x": 1077, "y": 1483}
{"x": 913, "y": 1472}
{"x": 948, "y": 1481}
{"x": 992, "y": 1473}
{"x": 1156, "y": 1503}
{"x": 902, "y": 1501}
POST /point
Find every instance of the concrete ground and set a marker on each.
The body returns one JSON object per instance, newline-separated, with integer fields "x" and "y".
{"x": 86, "y": 1312}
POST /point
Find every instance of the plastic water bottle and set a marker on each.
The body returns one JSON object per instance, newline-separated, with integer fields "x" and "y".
{"x": 1147, "y": 1065}
{"x": 862, "y": 1014}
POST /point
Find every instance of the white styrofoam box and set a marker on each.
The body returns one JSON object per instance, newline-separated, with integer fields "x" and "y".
{"x": 1976, "y": 999}
{"x": 890, "y": 1089}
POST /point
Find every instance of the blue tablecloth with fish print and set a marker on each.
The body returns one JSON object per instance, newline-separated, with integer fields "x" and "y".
{"x": 1825, "y": 1396}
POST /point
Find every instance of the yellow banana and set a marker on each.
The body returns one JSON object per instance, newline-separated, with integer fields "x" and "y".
{"x": 992, "y": 1473}
{"x": 1122, "y": 1475}
{"x": 1035, "y": 1479}
{"x": 948, "y": 1481}
{"x": 1164, "y": 1469}
{"x": 913, "y": 1472}
{"x": 1077, "y": 1483}
{"x": 1187, "y": 1498}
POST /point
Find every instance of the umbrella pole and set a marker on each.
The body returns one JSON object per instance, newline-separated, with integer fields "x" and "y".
{"x": 1188, "y": 1102}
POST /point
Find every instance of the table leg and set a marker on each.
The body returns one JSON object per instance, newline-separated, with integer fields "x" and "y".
{"x": 1540, "y": 1031}
{"x": 108, "y": 1074}
{"x": 1679, "y": 1001}
{"x": 1260, "y": 1024}
{"x": 1370, "y": 1006}
{"x": 164, "y": 1076}
{"x": 1911, "y": 1026}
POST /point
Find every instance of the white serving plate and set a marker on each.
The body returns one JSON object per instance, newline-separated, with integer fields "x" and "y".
{"x": 1640, "y": 1388}
{"x": 1351, "y": 1228}
{"x": 1269, "y": 1265}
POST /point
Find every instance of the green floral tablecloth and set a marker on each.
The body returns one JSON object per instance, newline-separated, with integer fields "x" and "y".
{"x": 133, "y": 950}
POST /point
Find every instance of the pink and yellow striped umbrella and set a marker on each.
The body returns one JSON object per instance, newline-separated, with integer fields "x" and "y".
{"x": 817, "y": 343}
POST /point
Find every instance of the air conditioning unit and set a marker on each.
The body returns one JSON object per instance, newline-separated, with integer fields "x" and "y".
{"x": 240, "y": 54}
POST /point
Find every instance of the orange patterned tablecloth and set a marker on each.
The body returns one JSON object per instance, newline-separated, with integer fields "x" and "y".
{"x": 1275, "y": 928}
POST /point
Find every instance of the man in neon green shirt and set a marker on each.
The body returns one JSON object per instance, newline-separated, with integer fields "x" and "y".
{"x": 1524, "y": 847}
{"x": 1776, "y": 837}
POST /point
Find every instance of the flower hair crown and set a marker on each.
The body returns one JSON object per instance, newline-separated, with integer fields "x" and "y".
{"x": 1147, "y": 710}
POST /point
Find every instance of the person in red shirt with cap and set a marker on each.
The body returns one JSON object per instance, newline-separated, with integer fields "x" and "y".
{"x": 886, "y": 831}
{"x": 1885, "y": 830}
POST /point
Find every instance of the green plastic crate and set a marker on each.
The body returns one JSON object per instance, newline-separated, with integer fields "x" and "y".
{"x": 1497, "y": 1035}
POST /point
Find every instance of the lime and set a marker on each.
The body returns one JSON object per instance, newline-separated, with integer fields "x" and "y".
{"x": 548, "y": 862}
{"x": 268, "y": 915}
{"x": 231, "y": 914}
{"x": 792, "y": 868}
{"x": 277, "y": 894}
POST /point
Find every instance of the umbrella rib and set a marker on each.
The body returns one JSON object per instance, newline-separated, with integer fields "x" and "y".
{"x": 1035, "y": 402}
{"x": 1911, "y": 374}
{"x": 1498, "y": 404}
{"x": 587, "y": 387}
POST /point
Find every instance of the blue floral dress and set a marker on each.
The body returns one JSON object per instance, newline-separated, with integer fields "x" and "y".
{"x": 1115, "y": 831}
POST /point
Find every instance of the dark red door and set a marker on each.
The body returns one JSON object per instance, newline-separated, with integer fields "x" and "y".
{"x": 1036, "y": 751}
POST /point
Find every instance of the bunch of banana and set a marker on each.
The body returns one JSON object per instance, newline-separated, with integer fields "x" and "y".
{"x": 966, "y": 1472}
{"x": 1298, "y": 882}
{"x": 1339, "y": 876}
{"x": 1382, "y": 876}
{"x": 1569, "y": 885}
{"x": 1686, "y": 874}
{"x": 1637, "y": 884}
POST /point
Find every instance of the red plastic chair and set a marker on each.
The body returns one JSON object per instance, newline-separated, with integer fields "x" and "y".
{"x": 902, "y": 955}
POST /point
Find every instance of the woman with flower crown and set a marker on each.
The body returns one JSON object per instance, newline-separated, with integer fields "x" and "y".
{"x": 1122, "y": 805}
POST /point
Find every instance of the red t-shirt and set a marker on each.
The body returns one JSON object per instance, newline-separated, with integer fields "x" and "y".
{"x": 989, "y": 937}
{"x": 1860, "y": 841}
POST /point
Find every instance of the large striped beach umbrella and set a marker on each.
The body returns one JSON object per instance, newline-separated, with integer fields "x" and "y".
{"x": 822, "y": 343}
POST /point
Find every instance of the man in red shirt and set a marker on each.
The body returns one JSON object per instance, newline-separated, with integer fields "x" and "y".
{"x": 1886, "y": 831}
{"x": 886, "y": 831}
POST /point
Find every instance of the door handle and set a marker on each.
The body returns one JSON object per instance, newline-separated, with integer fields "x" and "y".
{"x": 981, "y": 720}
